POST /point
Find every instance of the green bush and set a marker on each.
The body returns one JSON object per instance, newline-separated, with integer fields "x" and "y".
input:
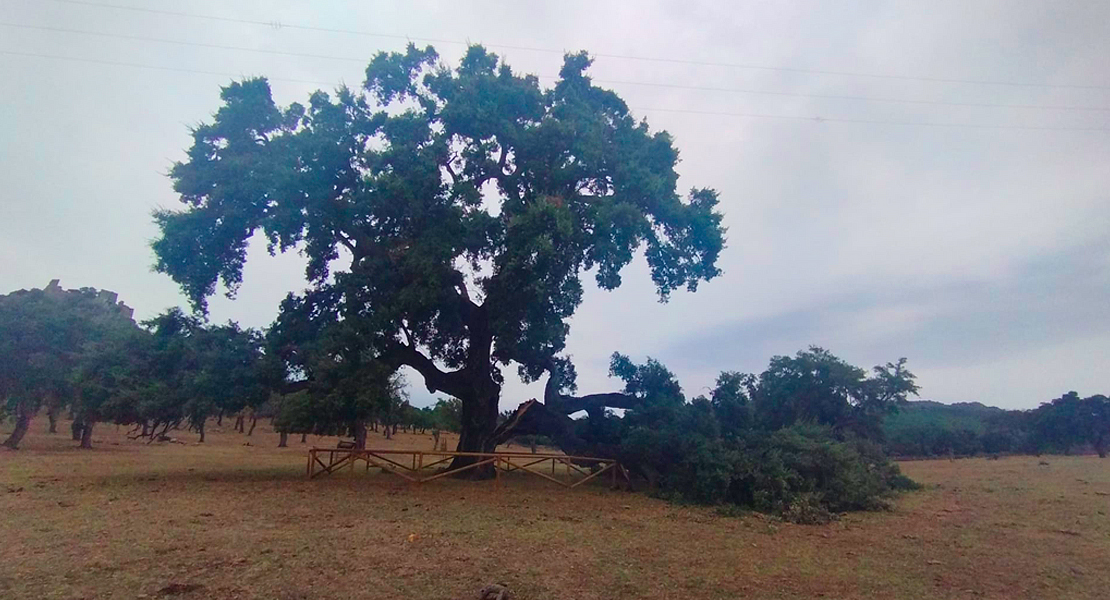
{"x": 775, "y": 454}
{"x": 803, "y": 473}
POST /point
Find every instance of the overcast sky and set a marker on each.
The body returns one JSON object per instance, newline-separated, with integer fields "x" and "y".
{"x": 977, "y": 249}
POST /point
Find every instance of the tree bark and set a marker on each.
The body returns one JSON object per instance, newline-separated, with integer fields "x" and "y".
{"x": 360, "y": 434}
{"x": 200, "y": 428}
{"x": 220, "y": 419}
{"x": 75, "y": 429}
{"x": 254, "y": 422}
{"x": 239, "y": 423}
{"x": 479, "y": 421}
{"x": 283, "y": 441}
{"x": 552, "y": 419}
{"x": 304, "y": 438}
{"x": 86, "y": 435}
{"x": 22, "y": 424}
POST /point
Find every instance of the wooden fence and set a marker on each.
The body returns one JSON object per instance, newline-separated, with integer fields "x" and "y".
{"x": 419, "y": 466}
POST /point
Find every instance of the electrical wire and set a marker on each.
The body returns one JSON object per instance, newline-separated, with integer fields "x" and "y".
{"x": 814, "y": 119}
{"x": 275, "y": 24}
{"x": 605, "y": 81}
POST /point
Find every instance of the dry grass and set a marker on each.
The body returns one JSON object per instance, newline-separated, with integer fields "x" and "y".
{"x": 224, "y": 520}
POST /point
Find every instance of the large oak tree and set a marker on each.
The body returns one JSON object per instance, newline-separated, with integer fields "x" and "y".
{"x": 447, "y": 215}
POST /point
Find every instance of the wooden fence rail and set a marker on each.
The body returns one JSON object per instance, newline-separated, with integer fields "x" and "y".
{"x": 324, "y": 461}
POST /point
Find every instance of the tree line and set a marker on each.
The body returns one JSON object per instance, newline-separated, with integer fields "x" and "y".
{"x": 1064, "y": 425}
{"x": 79, "y": 352}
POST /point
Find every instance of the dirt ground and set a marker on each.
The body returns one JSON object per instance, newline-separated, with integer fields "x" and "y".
{"x": 232, "y": 520}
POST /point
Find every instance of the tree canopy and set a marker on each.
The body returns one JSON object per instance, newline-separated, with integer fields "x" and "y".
{"x": 1070, "y": 421}
{"x": 447, "y": 215}
{"x": 47, "y": 334}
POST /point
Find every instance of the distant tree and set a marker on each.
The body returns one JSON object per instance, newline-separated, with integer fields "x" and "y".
{"x": 46, "y": 335}
{"x": 927, "y": 428}
{"x": 178, "y": 371}
{"x": 466, "y": 203}
{"x": 112, "y": 381}
{"x": 1099, "y": 407}
{"x": 447, "y": 414}
{"x": 814, "y": 386}
{"x": 345, "y": 385}
{"x": 1070, "y": 421}
{"x": 232, "y": 372}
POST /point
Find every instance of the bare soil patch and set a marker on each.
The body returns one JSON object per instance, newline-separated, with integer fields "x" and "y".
{"x": 227, "y": 520}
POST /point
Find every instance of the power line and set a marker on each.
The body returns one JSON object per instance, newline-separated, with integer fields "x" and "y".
{"x": 116, "y": 63}
{"x": 683, "y": 61}
{"x": 142, "y": 38}
{"x": 868, "y": 121}
{"x": 816, "y": 119}
{"x": 606, "y": 81}
{"x": 864, "y": 98}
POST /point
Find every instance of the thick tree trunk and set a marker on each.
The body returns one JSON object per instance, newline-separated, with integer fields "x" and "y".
{"x": 220, "y": 419}
{"x": 146, "y": 429}
{"x": 479, "y": 421}
{"x": 239, "y": 423}
{"x": 387, "y": 431}
{"x": 360, "y": 435}
{"x": 304, "y": 438}
{"x": 200, "y": 428}
{"x": 86, "y": 435}
{"x": 22, "y": 423}
{"x": 75, "y": 429}
{"x": 254, "y": 422}
{"x": 283, "y": 441}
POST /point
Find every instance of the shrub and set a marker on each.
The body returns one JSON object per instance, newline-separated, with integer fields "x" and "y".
{"x": 726, "y": 450}
{"x": 803, "y": 473}
{"x": 792, "y": 469}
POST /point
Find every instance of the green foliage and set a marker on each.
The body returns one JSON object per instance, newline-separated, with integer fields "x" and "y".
{"x": 967, "y": 429}
{"x": 729, "y": 449}
{"x": 468, "y": 202}
{"x": 794, "y": 470}
{"x": 178, "y": 371}
{"x": 340, "y": 400}
{"x": 81, "y": 348}
{"x": 816, "y": 387}
{"x": 48, "y": 337}
{"x": 447, "y": 414}
{"x": 1070, "y": 421}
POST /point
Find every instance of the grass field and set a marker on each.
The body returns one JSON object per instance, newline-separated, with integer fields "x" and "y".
{"x": 228, "y": 520}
